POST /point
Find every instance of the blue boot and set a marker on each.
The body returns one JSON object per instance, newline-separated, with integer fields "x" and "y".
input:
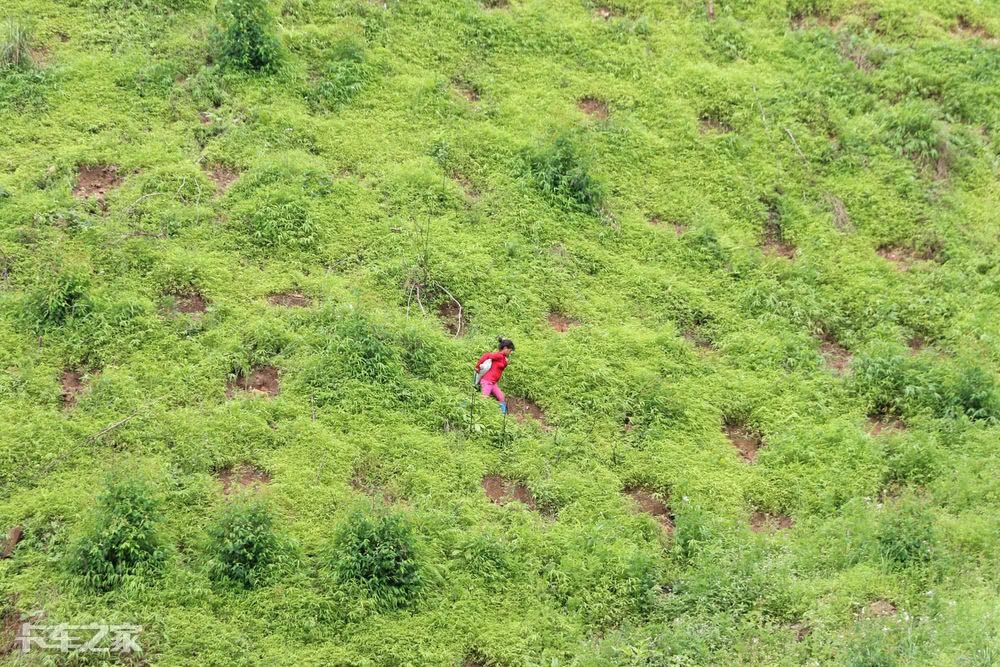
{"x": 503, "y": 408}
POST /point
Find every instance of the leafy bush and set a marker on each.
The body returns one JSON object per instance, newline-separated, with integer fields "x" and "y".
{"x": 973, "y": 393}
{"x": 562, "y": 175}
{"x": 15, "y": 41}
{"x": 122, "y": 541}
{"x": 913, "y": 131}
{"x": 245, "y": 549}
{"x": 245, "y": 37}
{"x": 376, "y": 552}
{"x": 914, "y": 459}
{"x": 880, "y": 376}
{"x": 278, "y": 218}
{"x": 58, "y": 299}
{"x": 343, "y": 76}
{"x": 906, "y": 536}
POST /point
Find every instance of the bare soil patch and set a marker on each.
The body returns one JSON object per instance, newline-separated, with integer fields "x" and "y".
{"x": 765, "y": 522}
{"x": 73, "y": 385}
{"x": 289, "y": 300}
{"x": 522, "y": 410}
{"x": 222, "y": 176}
{"x": 801, "y": 631}
{"x": 468, "y": 187}
{"x": 838, "y": 358}
{"x": 711, "y": 125}
{"x": 10, "y": 622}
{"x": 501, "y": 490}
{"x": 495, "y": 4}
{"x": 968, "y": 29}
{"x": 878, "y": 608}
{"x": 605, "y": 12}
{"x": 773, "y": 236}
{"x": 646, "y": 501}
{"x": 242, "y": 476}
{"x": 744, "y": 439}
{"x": 469, "y": 91}
{"x": 562, "y": 322}
{"x": 903, "y": 257}
{"x": 452, "y": 317}
{"x": 191, "y": 303}
{"x": 593, "y": 106}
{"x": 13, "y": 537}
{"x": 698, "y": 338}
{"x": 261, "y": 380}
{"x": 96, "y": 181}
{"x": 916, "y": 344}
{"x": 880, "y": 424}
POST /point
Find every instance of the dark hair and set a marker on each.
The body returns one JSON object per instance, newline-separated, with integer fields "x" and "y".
{"x": 504, "y": 343}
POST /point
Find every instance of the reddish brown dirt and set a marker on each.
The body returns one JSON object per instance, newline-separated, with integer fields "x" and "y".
{"x": 838, "y": 358}
{"x": 495, "y": 4}
{"x": 467, "y": 91}
{"x": 627, "y": 424}
{"x": 10, "y": 622}
{"x": 801, "y": 631}
{"x": 709, "y": 125}
{"x": 765, "y": 522}
{"x": 743, "y": 439}
{"x": 222, "y": 176}
{"x": 13, "y": 537}
{"x": 605, "y": 13}
{"x": 96, "y": 181}
{"x": 242, "y": 476}
{"x": 290, "y": 300}
{"x": 501, "y": 491}
{"x": 902, "y": 257}
{"x": 468, "y": 187}
{"x": 885, "y": 424}
{"x": 917, "y": 343}
{"x": 562, "y": 323}
{"x": 878, "y": 608}
{"x": 262, "y": 380}
{"x": 967, "y": 29}
{"x": 522, "y": 409}
{"x": 72, "y": 386}
{"x": 647, "y": 502}
{"x": 593, "y": 106}
{"x": 698, "y": 338}
{"x": 453, "y": 318}
{"x": 191, "y": 303}
{"x": 773, "y": 238}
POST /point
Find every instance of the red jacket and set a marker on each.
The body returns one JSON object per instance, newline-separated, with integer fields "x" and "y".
{"x": 496, "y": 370}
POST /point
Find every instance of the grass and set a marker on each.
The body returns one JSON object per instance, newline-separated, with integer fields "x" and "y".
{"x": 390, "y": 159}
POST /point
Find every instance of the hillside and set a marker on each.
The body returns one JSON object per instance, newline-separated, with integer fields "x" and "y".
{"x": 748, "y": 252}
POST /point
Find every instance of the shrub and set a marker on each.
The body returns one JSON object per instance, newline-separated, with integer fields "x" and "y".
{"x": 58, "y": 299}
{"x": 973, "y": 393}
{"x": 245, "y": 549}
{"x": 913, "y": 131}
{"x": 122, "y": 541}
{"x": 15, "y": 40}
{"x": 880, "y": 376}
{"x": 906, "y": 536}
{"x": 376, "y": 552}
{"x": 278, "y": 218}
{"x": 344, "y": 75}
{"x": 246, "y": 36}
{"x": 562, "y": 175}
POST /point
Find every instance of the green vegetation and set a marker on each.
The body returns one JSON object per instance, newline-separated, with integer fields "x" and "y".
{"x": 122, "y": 542}
{"x": 750, "y": 265}
{"x": 377, "y": 553}
{"x": 245, "y": 549}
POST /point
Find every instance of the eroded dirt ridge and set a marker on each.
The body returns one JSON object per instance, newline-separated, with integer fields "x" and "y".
{"x": 242, "y": 476}
{"x": 646, "y": 501}
{"x": 263, "y": 380}
{"x": 502, "y": 490}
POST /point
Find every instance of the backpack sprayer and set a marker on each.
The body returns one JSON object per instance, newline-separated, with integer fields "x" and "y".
{"x": 483, "y": 370}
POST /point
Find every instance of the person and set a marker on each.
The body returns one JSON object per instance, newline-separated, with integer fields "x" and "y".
{"x": 489, "y": 370}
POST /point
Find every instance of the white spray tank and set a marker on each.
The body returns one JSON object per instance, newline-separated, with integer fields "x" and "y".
{"x": 483, "y": 369}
